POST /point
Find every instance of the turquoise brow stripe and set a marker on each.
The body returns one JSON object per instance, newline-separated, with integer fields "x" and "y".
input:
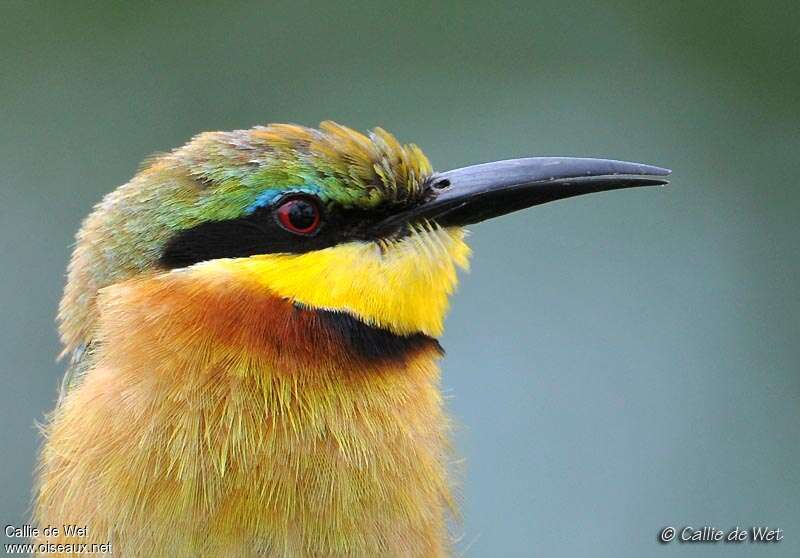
{"x": 267, "y": 197}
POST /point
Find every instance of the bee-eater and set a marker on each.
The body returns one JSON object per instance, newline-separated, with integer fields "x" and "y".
{"x": 253, "y": 325}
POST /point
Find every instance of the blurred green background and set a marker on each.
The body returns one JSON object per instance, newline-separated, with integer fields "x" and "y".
{"x": 616, "y": 363}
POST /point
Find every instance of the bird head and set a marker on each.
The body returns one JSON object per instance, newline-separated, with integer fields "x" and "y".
{"x": 325, "y": 218}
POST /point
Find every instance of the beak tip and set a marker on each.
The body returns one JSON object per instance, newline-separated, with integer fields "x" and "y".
{"x": 647, "y": 171}
{"x": 641, "y": 169}
{"x": 664, "y": 172}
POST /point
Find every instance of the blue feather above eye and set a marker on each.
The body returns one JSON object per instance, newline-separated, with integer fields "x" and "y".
{"x": 268, "y": 197}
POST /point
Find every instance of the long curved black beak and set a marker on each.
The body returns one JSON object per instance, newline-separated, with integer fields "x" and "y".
{"x": 479, "y": 192}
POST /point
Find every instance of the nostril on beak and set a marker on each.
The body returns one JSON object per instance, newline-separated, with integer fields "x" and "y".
{"x": 441, "y": 184}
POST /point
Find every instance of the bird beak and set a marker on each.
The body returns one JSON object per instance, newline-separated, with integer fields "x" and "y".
{"x": 479, "y": 192}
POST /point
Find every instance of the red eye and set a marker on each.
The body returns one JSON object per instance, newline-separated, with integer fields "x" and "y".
{"x": 299, "y": 215}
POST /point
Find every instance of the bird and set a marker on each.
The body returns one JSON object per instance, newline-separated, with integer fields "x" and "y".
{"x": 253, "y": 324}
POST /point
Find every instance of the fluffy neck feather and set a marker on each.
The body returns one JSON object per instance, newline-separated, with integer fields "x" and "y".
{"x": 219, "y": 419}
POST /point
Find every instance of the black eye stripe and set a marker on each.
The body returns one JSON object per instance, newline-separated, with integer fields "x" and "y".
{"x": 260, "y": 232}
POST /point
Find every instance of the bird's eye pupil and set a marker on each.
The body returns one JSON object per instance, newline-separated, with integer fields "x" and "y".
{"x": 299, "y": 215}
{"x": 302, "y": 214}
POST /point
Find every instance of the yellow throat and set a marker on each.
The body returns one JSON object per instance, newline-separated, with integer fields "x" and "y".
{"x": 402, "y": 285}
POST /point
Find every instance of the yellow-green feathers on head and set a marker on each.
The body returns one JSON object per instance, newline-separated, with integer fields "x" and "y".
{"x": 340, "y": 165}
{"x": 222, "y": 177}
